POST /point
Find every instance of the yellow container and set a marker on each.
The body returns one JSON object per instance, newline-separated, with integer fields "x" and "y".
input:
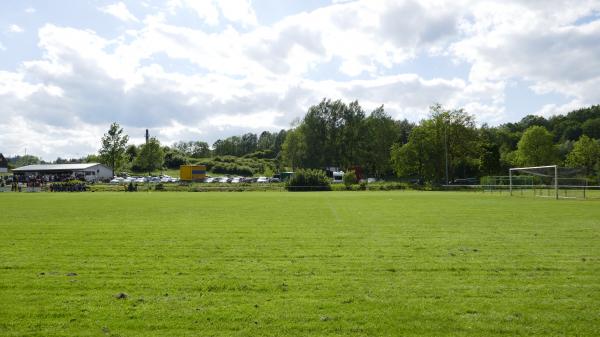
{"x": 192, "y": 172}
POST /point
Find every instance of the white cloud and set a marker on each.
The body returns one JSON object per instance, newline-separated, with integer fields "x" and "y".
{"x": 238, "y": 11}
{"x": 536, "y": 42}
{"x": 248, "y": 77}
{"x": 120, "y": 11}
{"x": 29, "y": 10}
{"x": 14, "y": 28}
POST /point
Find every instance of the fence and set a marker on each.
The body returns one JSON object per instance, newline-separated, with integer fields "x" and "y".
{"x": 532, "y": 190}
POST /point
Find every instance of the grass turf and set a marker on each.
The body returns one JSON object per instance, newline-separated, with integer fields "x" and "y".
{"x": 298, "y": 264}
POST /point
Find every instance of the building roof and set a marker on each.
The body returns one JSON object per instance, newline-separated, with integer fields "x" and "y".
{"x": 55, "y": 167}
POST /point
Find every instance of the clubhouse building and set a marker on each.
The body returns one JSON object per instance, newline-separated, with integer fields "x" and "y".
{"x": 59, "y": 172}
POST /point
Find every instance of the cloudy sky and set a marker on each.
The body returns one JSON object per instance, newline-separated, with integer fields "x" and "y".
{"x": 207, "y": 69}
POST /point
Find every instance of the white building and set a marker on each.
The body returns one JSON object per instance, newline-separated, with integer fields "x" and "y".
{"x": 59, "y": 172}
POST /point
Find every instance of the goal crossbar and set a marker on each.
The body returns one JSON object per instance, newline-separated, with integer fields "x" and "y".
{"x": 529, "y": 170}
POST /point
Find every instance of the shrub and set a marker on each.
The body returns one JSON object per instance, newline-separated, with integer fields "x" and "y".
{"x": 350, "y": 179}
{"x": 69, "y": 186}
{"x": 308, "y": 180}
{"x": 160, "y": 187}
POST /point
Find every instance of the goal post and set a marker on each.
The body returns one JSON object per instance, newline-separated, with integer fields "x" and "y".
{"x": 547, "y": 171}
{"x": 549, "y": 181}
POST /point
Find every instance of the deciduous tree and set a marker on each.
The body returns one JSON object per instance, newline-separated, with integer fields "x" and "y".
{"x": 114, "y": 144}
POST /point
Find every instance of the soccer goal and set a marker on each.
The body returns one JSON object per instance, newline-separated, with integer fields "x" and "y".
{"x": 549, "y": 181}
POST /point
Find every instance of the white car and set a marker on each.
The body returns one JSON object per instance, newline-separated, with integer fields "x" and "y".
{"x": 140, "y": 180}
{"x": 117, "y": 180}
{"x": 262, "y": 180}
{"x": 223, "y": 180}
{"x": 165, "y": 179}
{"x": 236, "y": 180}
{"x": 209, "y": 180}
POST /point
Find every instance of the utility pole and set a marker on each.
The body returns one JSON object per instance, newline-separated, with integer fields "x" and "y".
{"x": 446, "y": 148}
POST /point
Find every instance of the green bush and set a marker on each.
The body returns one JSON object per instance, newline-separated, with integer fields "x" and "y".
{"x": 69, "y": 186}
{"x": 173, "y": 160}
{"x": 308, "y": 180}
{"x": 350, "y": 179}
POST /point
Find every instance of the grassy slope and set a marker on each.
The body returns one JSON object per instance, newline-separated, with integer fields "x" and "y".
{"x": 304, "y": 264}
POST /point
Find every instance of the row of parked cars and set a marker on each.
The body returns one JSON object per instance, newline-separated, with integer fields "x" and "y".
{"x": 237, "y": 180}
{"x": 140, "y": 180}
{"x": 169, "y": 179}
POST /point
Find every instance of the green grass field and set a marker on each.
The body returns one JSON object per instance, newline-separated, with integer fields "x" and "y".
{"x": 298, "y": 264}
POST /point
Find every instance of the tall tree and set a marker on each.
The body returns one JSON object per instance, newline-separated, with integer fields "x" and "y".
{"x": 114, "y": 144}
{"x": 353, "y": 133}
{"x": 489, "y": 157}
{"x": 131, "y": 152}
{"x": 382, "y": 133}
{"x": 293, "y": 150}
{"x": 456, "y": 133}
{"x": 448, "y": 140}
{"x": 585, "y": 154}
{"x": 536, "y": 147}
{"x": 417, "y": 156}
{"x": 248, "y": 144}
{"x": 26, "y": 160}
{"x": 199, "y": 149}
{"x": 151, "y": 156}
{"x": 266, "y": 141}
{"x": 279, "y": 139}
{"x": 591, "y": 128}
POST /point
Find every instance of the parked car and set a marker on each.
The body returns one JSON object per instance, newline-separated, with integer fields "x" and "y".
{"x": 275, "y": 180}
{"x": 117, "y": 180}
{"x": 236, "y": 180}
{"x": 140, "y": 180}
{"x": 262, "y": 180}
{"x": 209, "y": 180}
{"x": 338, "y": 176}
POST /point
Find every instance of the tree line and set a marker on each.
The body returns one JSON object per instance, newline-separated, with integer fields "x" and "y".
{"x": 445, "y": 146}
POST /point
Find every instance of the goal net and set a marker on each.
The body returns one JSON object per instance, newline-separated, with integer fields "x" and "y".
{"x": 550, "y": 182}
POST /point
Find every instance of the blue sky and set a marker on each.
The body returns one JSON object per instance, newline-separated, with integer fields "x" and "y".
{"x": 207, "y": 69}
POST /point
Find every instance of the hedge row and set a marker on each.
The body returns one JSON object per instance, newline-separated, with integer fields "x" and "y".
{"x": 308, "y": 180}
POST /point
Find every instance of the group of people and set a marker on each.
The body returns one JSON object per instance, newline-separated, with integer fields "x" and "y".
{"x": 38, "y": 183}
